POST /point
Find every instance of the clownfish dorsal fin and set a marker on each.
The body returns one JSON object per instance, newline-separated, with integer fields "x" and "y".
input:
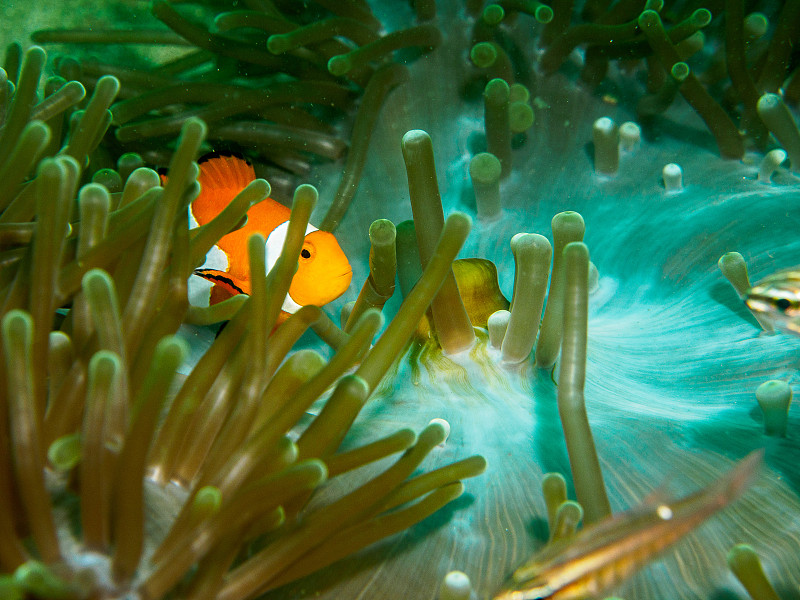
{"x": 224, "y": 171}
{"x": 221, "y": 178}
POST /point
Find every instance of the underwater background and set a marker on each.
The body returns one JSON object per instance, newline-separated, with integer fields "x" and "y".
{"x": 673, "y": 355}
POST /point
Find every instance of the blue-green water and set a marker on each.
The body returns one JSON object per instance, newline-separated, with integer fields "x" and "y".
{"x": 674, "y": 357}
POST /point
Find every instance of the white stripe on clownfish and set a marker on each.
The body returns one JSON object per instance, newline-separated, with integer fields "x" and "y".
{"x": 274, "y": 245}
{"x": 199, "y": 288}
{"x": 193, "y": 224}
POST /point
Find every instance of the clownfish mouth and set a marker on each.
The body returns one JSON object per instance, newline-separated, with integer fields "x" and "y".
{"x": 343, "y": 280}
{"x": 338, "y": 277}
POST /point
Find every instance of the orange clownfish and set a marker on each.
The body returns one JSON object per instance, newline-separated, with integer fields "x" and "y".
{"x": 323, "y": 272}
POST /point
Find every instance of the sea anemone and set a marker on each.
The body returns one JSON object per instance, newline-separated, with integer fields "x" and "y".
{"x": 215, "y": 476}
{"x": 673, "y": 361}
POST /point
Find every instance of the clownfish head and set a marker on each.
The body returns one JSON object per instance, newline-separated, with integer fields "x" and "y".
{"x": 323, "y": 272}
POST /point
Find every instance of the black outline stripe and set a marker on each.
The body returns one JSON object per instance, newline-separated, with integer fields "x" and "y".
{"x": 214, "y": 277}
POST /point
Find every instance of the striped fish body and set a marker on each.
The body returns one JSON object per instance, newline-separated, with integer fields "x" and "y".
{"x": 776, "y": 298}
{"x": 323, "y": 274}
{"x": 603, "y": 555}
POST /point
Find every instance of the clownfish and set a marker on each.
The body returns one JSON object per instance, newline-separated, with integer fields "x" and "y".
{"x": 323, "y": 272}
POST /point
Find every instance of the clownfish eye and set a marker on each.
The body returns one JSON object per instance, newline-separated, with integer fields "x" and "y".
{"x": 307, "y": 253}
{"x": 783, "y": 304}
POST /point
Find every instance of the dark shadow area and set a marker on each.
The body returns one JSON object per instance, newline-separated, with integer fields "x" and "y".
{"x": 539, "y": 529}
{"x": 654, "y": 129}
{"x": 588, "y": 150}
{"x": 372, "y": 556}
{"x": 476, "y": 143}
{"x": 466, "y": 198}
{"x": 781, "y": 455}
{"x": 787, "y": 593}
{"x": 548, "y": 438}
{"x": 723, "y": 594}
{"x": 723, "y": 293}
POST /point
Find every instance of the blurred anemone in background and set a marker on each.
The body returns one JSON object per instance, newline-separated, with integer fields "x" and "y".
{"x": 586, "y": 107}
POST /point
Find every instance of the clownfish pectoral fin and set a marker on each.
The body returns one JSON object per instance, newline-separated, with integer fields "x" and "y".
{"x": 222, "y": 279}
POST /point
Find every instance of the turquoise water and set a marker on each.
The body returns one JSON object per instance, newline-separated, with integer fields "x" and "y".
{"x": 674, "y": 357}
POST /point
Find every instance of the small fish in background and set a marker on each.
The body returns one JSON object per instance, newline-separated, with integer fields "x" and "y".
{"x": 323, "y": 272}
{"x": 601, "y": 556}
{"x": 777, "y": 299}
